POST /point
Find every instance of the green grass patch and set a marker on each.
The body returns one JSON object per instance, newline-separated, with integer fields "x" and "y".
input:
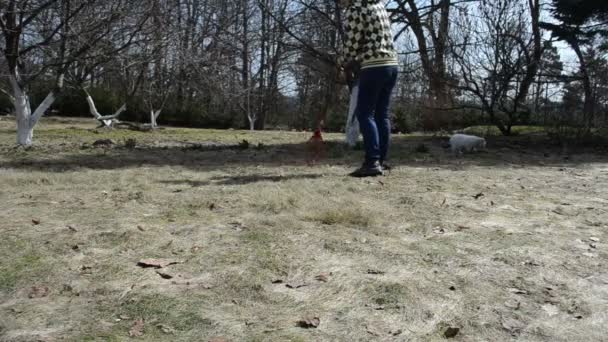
{"x": 387, "y": 293}
{"x": 21, "y": 263}
{"x": 180, "y": 314}
{"x": 344, "y": 215}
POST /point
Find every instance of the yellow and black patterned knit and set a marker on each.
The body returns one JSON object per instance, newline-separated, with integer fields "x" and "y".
{"x": 368, "y": 35}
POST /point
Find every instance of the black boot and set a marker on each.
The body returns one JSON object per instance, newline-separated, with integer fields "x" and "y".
{"x": 368, "y": 170}
{"x": 386, "y": 166}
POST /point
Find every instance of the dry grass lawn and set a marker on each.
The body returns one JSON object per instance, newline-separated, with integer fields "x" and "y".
{"x": 506, "y": 245}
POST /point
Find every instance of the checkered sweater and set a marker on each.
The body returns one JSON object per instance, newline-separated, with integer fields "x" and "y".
{"x": 368, "y": 36}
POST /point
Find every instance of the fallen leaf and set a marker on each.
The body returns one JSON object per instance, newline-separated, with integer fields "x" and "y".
{"x": 164, "y": 275}
{"x": 157, "y": 263}
{"x": 309, "y": 322}
{"x": 451, "y": 332}
{"x": 461, "y": 228}
{"x": 594, "y": 239}
{"x": 396, "y": 333}
{"x": 375, "y": 272}
{"x": 38, "y": 292}
{"x": 137, "y": 330}
{"x": 86, "y": 269}
{"x": 238, "y": 226}
{"x": 518, "y": 291}
{"x": 295, "y": 285}
{"x": 35, "y": 222}
{"x": 165, "y": 329}
{"x": 71, "y": 228}
{"x": 141, "y": 228}
{"x": 323, "y": 277}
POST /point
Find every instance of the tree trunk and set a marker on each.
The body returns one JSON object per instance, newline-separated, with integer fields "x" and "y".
{"x": 154, "y": 114}
{"x": 588, "y": 107}
{"x": 438, "y": 78}
{"x": 105, "y": 121}
{"x": 261, "y": 116}
{"x": 25, "y": 131}
{"x": 535, "y": 61}
{"x": 245, "y": 83}
{"x": 434, "y": 66}
{"x": 26, "y": 120}
{"x": 251, "y": 124}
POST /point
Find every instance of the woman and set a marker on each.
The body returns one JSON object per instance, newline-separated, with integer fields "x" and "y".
{"x": 370, "y": 52}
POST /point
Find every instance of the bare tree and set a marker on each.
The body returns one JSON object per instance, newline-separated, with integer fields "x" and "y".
{"x": 430, "y": 23}
{"x": 498, "y": 57}
{"x": 18, "y": 20}
{"x": 44, "y": 39}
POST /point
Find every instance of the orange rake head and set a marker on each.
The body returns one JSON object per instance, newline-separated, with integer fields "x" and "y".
{"x": 315, "y": 147}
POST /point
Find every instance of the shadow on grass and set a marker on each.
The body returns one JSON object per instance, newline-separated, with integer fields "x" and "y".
{"x": 249, "y": 179}
{"x": 242, "y": 180}
{"x": 523, "y": 151}
{"x": 190, "y": 183}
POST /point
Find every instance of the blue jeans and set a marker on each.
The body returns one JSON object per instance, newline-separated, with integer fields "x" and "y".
{"x": 375, "y": 88}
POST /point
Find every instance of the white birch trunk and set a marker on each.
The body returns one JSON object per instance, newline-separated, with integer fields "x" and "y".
{"x": 108, "y": 120}
{"x": 251, "y": 117}
{"x": 154, "y": 114}
{"x": 251, "y": 123}
{"x": 25, "y": 131}
{"x": 26, "y": 120}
